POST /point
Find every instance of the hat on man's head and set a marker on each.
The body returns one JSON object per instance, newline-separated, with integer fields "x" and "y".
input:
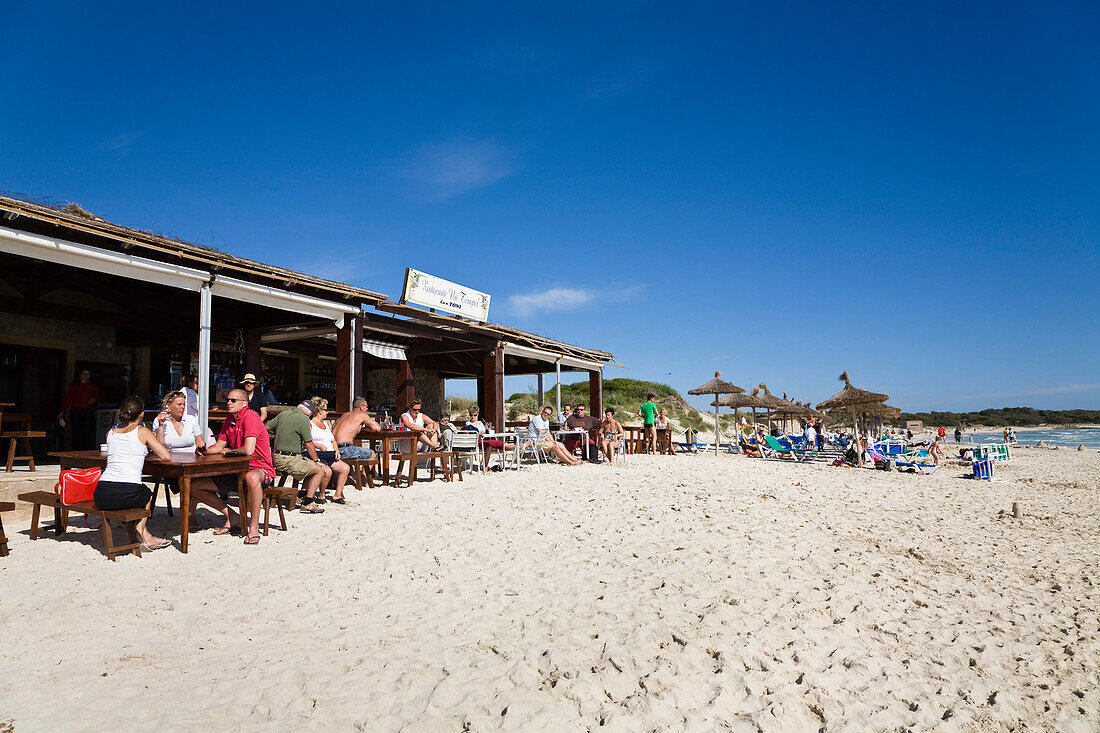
{"x": 249, "y": 379}
{"x": 308, "y": 407}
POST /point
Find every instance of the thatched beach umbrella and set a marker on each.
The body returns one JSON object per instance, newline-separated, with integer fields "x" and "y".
{"x": 717, "y": 388}
{"x": 852, "y": 397}
{"x": 770, "y": 401}
{"x": 789, "y": 409}
{"x": 738, "y": 401}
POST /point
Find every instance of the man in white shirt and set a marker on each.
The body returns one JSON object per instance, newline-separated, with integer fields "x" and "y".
{"x": 811, "y": 434}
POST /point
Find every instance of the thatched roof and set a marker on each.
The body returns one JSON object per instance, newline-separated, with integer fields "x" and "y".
{"x": 87, "y": 228}
{"x": 850, "y": 396}
{"x": 769, "y": 400}
{"x": 716, "y": 386}
{"x": 737, "y": 401}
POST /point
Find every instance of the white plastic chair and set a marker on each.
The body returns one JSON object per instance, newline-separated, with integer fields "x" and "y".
{"x": 468, "y": 442}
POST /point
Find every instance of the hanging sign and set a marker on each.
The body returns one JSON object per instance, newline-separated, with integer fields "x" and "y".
{"x": 435, "y": 292}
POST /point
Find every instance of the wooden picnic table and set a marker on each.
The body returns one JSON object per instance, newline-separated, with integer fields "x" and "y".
{"x": 636, "y": 440}
{"x": 183, "y": 466}
{"x": 387, "y": 437}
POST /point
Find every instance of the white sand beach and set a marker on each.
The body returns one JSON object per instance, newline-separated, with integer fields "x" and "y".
{"x": 686, "y": 593}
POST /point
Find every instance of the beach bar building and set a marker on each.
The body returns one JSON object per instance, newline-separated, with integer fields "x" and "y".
{"x": 139, "y": 310}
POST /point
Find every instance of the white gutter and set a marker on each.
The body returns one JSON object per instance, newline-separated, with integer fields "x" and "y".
{"x": 552, "y": 358}
{"x": 63, "y": 252}
{"x": 264, "y": 295}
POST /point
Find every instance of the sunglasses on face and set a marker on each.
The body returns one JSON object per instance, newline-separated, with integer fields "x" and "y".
{"x": 233, "y": 399}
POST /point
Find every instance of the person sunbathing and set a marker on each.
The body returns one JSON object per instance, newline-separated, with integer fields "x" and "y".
{"x": 747, "y": 448}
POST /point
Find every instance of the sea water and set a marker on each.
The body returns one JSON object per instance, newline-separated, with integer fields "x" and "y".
{"x": 1069, "y": 438}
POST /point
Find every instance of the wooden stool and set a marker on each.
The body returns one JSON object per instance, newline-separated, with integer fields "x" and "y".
{"x": 25, "y": 435}
{"x": 446, "y": 459}
{"x": 5, "y": 506}
{"x": 362, "y": 470}
{"x": 277, "y": 495}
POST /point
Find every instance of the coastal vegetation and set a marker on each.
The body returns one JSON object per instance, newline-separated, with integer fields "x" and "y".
{"x": 626, "y": 396}
{"x": 1005, "y": 416}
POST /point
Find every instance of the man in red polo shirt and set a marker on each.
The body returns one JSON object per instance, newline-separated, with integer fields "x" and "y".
{"x": 244, "y": 432}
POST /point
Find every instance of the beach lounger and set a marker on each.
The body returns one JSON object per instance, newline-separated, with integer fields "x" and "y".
{"x": 774, "y": 449}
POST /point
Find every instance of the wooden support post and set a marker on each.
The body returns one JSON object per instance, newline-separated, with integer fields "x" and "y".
{"x": 406, "y": 385}
{"x": 252, "y": 354}
{"x": 595, "y": 394}
{"x": 349, "y": 362}
{"x": 542, "y": 393}
{"x": 493, "y": 392}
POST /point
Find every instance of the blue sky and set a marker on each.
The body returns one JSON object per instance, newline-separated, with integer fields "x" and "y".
{"x": 778, "y": 191}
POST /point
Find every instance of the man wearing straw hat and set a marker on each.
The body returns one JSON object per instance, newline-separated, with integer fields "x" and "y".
{"x": 256, "y": 400}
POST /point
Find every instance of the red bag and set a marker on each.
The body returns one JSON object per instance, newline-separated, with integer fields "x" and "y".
{"x": 77, "y": 485}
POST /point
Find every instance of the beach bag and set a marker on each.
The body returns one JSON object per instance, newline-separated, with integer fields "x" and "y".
{"x": 77, "y": 485}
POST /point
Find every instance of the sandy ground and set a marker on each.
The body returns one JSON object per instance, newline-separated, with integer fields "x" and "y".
{"x": 687, "y": 593}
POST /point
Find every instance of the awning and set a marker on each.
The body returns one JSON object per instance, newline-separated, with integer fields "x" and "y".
{"x": 384, "y": 350}
{"x": 550, "y": 357}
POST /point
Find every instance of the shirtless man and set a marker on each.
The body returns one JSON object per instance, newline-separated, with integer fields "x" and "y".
{"x": 348, "y": 426}
{"x": 418, "y": 422}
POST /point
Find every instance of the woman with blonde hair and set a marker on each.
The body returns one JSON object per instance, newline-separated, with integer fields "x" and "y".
{"x": 328, "y": 452}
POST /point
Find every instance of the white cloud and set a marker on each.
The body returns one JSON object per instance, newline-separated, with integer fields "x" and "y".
{"x": 568, "y": 299}
{"x": 122, "y": 144}
{"x": 441, "y": 171}
{"x": 554, "y": 299}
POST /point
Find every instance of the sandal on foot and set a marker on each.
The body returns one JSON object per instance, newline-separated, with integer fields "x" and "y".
{"x": 341, "y": 500}
{"x": 252, "y": 539}
{"x": 223, "y": 530}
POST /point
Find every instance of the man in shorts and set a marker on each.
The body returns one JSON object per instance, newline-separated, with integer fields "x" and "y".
{"x": 648, "y": 411}
{"x": 243, "y": 432}
{"x": 293, "y": 437}
{"x": 347, "y": 428}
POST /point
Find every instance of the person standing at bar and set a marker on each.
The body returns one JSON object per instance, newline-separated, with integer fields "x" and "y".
{"x": 81, "y": 400}
{"x": 257, "y": 401}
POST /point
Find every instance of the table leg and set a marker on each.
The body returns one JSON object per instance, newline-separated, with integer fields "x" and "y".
{"x": 185, "y": 510}
{"x": 385, "y": 463}
{"x": 242, "y": 504}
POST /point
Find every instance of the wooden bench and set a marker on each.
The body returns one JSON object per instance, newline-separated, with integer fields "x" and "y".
{"x": 128, "y": 517}
{"x": 5, "y": 506}
{"x": 14, "y": 437}
{"x": 447, "y": 458}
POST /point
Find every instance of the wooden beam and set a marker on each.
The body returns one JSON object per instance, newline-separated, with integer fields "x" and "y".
{"x": 493, "y": 391}
{"x": 406, "y": 385}
{"x": 595, "y": 394}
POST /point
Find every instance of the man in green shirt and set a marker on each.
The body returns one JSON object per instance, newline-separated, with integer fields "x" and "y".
{"x": 293, "y": 437}
{"x": 648, "y": 412}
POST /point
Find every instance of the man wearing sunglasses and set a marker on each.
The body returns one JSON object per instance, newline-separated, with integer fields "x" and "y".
{"x": 242, "y": 431}
{"x": 418, "y": 422}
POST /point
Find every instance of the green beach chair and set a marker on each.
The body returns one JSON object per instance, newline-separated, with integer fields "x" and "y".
{"x": 778, "y": 451}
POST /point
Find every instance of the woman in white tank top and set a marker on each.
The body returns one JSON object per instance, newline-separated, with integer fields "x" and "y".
{"x": 120, "y": 485}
